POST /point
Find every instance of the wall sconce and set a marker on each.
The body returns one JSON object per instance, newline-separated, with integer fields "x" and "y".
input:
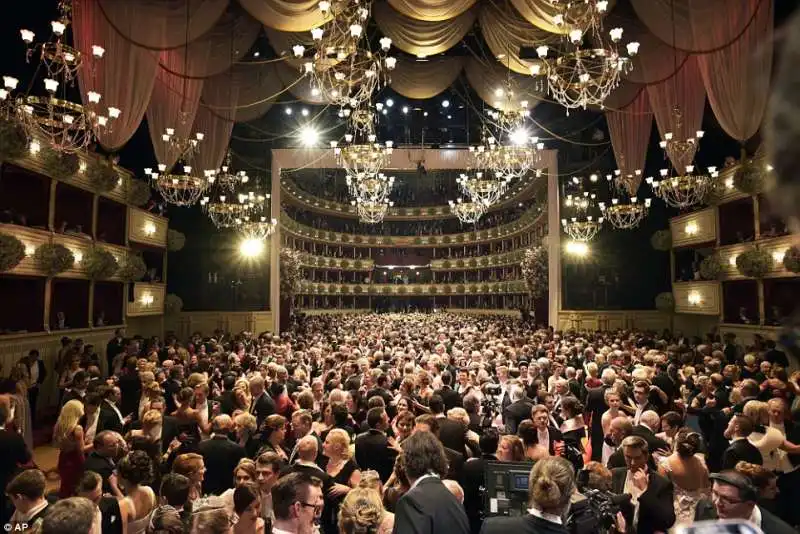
{"x": 695, "y": 298}
{"x": 729, "y": 183}
{"x": 30, "y": 250}
{"x": 82, "y": 167}
{"x": 146, "y": 299}
{"x": 149, "y": 228}
{"x": 78, "y": 256}
{"x": 778, "y": 255}
{"x": 34, "y": 147}
{"x": 732, "y": 261}
{"x": 691, "y": 228}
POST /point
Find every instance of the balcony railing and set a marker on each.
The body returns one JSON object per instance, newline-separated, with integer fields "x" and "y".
{"x": 409, "y": 290}
{"x": 339, "y": 264}
{"x": 775, "y": 246}
{"x": 699, "y": 298}
{"x": 495, "y": 260}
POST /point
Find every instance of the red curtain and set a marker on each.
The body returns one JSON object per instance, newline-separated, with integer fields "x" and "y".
{"x": 215, "y": 117}
{"x": 629, "y": 129}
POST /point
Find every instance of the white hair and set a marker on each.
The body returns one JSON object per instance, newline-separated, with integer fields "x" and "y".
{"x": 516, "y": 393}
{"x": 609, "y": 376}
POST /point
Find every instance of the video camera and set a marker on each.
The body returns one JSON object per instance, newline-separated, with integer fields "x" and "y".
{"x": 596, "y": 511}
{"x": 490, "y": 408}
{"x": 506, "y": 488}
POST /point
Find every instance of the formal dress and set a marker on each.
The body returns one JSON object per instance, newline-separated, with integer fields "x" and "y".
{"x": 220, "y": 456}
{"x": 70, "y": 466}
{"x": 330, "y": 513}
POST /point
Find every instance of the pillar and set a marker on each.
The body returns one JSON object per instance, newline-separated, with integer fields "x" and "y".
{"x": 275, "y": 247}
{"x": 553, "y": 241}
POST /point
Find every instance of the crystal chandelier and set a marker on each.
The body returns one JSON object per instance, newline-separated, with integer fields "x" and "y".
{"x": 583, "y": 224}
{"x": 227, "y": 212}
{"x": 178, "y": 189}
{"x": 185, "y": 147}
{"x": 683, "y": 191}
{"x": 66, "y": 126}
{"x": 224, "y": 178}
{"x": 581, "y": 76}
{"x": 257, "y": 229}
{"x": 582, "y": 229}
{"x": 371, "y": 188}
{"x": 344, "y": 71}
{"x": 362, "y": 156}
{"x": 482, "y": 188}
{"x": 625, "y": 216}
{"x": 372, "y": 211}
{"x": 467, "y": 212}
{"x": 676, "y": 145}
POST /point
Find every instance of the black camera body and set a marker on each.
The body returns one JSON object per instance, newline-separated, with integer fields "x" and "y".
{"x": 506, "y": 488}
{"x": 596, "y": 511}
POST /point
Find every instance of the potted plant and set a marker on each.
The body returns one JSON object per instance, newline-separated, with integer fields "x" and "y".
{"x": 132, "y": 268}
{"x": 175, "y": 240}
{"x": 791, "y": 260}
{"x": 711, "y": 267}
{"x": 661, "y": 240}
{"x": 12, "y": 251}
{"x": 535, "y": 271}
{"x": 754, "y": 262}
{"x": 749, "y": 178}
{"x": 138, "y": 192}
{"x": 99, "y": 263}
{"x": 13, "y": 140}
{"x": 53, "y": 258}
{"x": 102, "y": 175}
{"x": 59, "y": 164}
{"x": 173, "y": 304}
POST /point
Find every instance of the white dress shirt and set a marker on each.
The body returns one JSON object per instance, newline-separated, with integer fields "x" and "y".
{"x": 631, "y": 489}
{"x": 543, "y": 438}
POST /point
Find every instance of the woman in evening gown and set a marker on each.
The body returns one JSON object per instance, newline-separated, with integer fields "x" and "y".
{"x": 68, "y": 437}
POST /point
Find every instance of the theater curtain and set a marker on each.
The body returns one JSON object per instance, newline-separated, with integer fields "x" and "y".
{"x": 737, "y": 77}
{"x": 298, "y": 85}
{"x": 215, "y": 116}
{"x": 686, "y": 92}
{"x": 506, "y": 32}
{"x": 421, "y": 38}
{"x": 259, "y": 86}
{"x": 426, "y": 79}
{"x": 540, "y": 13}
{"x": 162, "y": 24}
{"x": 487, "y": 79}
{"x": 124, "y": 77}
{"x": 173, "y": 105}
{"x": 282, "y": 43}
{"x": 286, "y": 15}
{"x": 629, "y": 129}
{"x": 431, "y": 10}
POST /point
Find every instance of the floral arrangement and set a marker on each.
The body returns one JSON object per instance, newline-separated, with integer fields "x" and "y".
{"x": 12, "y": 251}
{"x": 132, "y": 268}
{"x": 661, "y": 240}
{"x": 12, "y": 140}
{"x": 291, "y": 272}
{"x": 754, "y": 262}
{"x": 173, "y": 304}
{"x": 791, "y": 260}
{"x": 61, "y": 165}
{"x": 749, "y": 178}
{"x": 175, "y": 240}
{"x": 99, "y": 263}
{"x": 138, "y": 192}
{"x": 53, "y": 258}
{"x": 711, "y": 267}
{"x": 103, "y": 175}
{"x": 535, "y": 271}
{"x": 665, "y": 302}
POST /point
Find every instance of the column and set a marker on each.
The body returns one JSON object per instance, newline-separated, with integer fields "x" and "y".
{"x": 553, "y": 240}
{"x": 275, "y": 247}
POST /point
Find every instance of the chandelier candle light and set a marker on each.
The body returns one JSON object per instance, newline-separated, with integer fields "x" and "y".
{"x": 178, "y": 189}
{"x": 467, "y": 212}
{"x": 258, "y": 229}
{"x": 225, "y": 178}
{"x": 227, "y": 213}
{"x": 372, "y": 211}
{"x": 624, "y": 215}
{"x": 484, "y": 189}
{"x": 683, "y": 191}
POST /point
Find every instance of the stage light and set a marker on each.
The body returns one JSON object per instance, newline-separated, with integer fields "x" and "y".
{"x": 250, "y": 248}
{"x": 519, "y": 136}
{"x": 577, "y": 248}
{"x": 305, "y": 112}
{"x": 405, "y": 109}
{"x": 309, "y": 136}
{"x": 288, "y": 111}
{"x": 390, "y": 102}
{"x": 445, "y": 103}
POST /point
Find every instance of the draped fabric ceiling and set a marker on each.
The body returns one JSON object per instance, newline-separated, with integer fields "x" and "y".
{"x": 178, "y": 61}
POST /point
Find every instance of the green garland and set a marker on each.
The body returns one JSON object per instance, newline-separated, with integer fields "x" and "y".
{"x": 535, "y": 271}
{"x": 53, "y": 258}
{"x": 138, "y": 192}
{"x": 754, "y": 263}
{"x": 61, "y": 165}
{"x": 132, "y": 268}
{"x": 711, "y": 267}
{"x": 749, "y": 178}
{"x": 13, "y": 140}
{"x": 102, "y": 175}
{"x": 12, "y": 252}
{"x": 99, "y": 263}
{"x": 173, "y": 304}
{"x": 665, "y": 302}
{"x": 291, "y": 272}
{"x": 661, "y": 240}
{"x": 791, "y": 260}
{"x": 175, "y": 240}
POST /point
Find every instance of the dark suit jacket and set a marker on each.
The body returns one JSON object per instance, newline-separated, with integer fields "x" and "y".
{"x": 430, "y": 508}
{"x": 515, "y": 413}
{"x": 131, "y": 389}
{"x": 108, "y": 419}
{"x": 100, "y": 465}
{"x": 111, "y": 515}
{"x": 472, "y": 479}
{"x": 555, "y": 435}
{"x": 526, "y": 524}
{"x": 220, "y": 456}
{"x": 226, "y": 402}
{"x": 595, "y": 406}
{"x": 770, "y": 524}
{"x": 373, "y": 452}
{"x": 262, "y": 408}
{"x": 653, "y": 443}
{"x": 450, "y": 397}
{"x": 617, "y": 459}
{"x": 455, "y": 461}
{"x": 656, "y": 506}
{"x": 171, "y": 389}
{"x": 453, "y": 434}
{"x": 741, "y": 450}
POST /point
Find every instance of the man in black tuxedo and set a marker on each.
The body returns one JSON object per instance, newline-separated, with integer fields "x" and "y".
{"x": 220, "y": 456}
{"x": 428, "y": 507}
{"x": 547, "y": 436}
{"x": 647, "y": 428}
{"x": 35, "y": 373}
{"x": 596, "y": 406}
{"x": 518, "y": 410}
{"x": 262, "y": 405}
{"x": 736, "y": 499}
{"x": 452, "y": 433}
{"x": 77, "y": 390}
{"x": 381, "y": 390}
{"x": 114, "y": 347}
{"x": 641, "y": 395}
{"x": 473, "y": 477}
{"x": 374, "y": 450}
{"x": 172, "y": 386}
{"x": 455, "y": 459}
{"x": 450, "y": 398}
{"x": 651, "y": 508}
{"x": 130, "y": 387}
{"x": 90, "y": 487}
{"x": 740, "y": 449}
{"x": 225, "y": 399}
{"x": 110, "y": 417}
{"x": 109, "y": 448}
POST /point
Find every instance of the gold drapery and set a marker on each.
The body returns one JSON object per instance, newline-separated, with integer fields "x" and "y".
{"x": 487, "y": 79}
{"x": 300, "y": 88}
{"x": 425, "y": 79}
{"x": 630, "y": 130}
{"x": 431, "y": 10}
{"x": 286, "y": 15}
{"x": 422, "y": 38}
{"x": 506, "y": 32}
{"x": 282, "y": 43}
{"x": 540, "y": 13}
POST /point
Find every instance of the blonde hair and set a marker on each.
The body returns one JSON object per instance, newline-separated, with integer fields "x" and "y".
{"x": 361, "y": 512}
{"x": 341, "y": 439}
{"x": 246, "y": 421}
{"x": 152, "y": 418}
{"x": 188, "y": 464}
{"x": 68, "y": 419}
{"x": 552, "y": 483}
{"x": 757, "y": 411}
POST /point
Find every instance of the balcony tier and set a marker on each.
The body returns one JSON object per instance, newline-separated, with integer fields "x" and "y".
{"x": 474, "y": 288}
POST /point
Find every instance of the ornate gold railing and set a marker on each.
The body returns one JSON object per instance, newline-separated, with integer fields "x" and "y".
{"x": 495, "y": 260}
{"x": 472, "y": 288}
{"x": 341, "y": 264}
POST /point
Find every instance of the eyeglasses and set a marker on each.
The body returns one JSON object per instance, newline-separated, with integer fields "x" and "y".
{"x": 317, "y": 507}
{"x": 715, "y": 496}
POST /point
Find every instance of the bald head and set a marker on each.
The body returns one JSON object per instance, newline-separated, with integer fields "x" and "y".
{"x": 307, "y": 448}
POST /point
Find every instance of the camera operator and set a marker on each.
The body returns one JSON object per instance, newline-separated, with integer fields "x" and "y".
{"x": 551, "y": 485}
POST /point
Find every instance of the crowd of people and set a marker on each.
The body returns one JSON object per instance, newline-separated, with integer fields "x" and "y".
{"x": 386, "y": 423}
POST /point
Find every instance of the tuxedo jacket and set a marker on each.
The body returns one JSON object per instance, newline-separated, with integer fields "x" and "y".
{"x": 656, "y": 505}
{"x": 741, "y": 450}
{"x": 453, "y": 434}
{"x": 220, "y": 456}
{"x": 102, "y": 466}
{"x": 373, "y": 452}
{"x": 526, "y": 524}
{"x": 108, "y": 419}
{"x": 430, "y": 508}
{"x": 555, "y": 435}
{"x": 262, "y": 408}
{"x": 654, "y": 443}
{"x": 515, "y": 413}
{"x": 450, "y": 397}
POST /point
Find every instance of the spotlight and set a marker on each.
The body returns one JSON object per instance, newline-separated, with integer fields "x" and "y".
{"x": 390, "y": 102}
{"x": 250, "y": 248}
{"x": 445, "y": 103}
{"x": 425, "y": 114}
{"x": 256, "y": 54}
{"x": 449, "y": 117}
{"x": 519, "y": 136}
{"x": 309, "y": 136}
{"x": 305, "y": 112}
{"x": 385, "y": 111}
{"x": 288, "y": 111}
{"x": 577, "y": 248}
{"x": 405, "y": 109}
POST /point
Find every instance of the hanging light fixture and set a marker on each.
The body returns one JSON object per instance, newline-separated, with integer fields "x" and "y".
{"x": 178, "y": 189}
{"x": 582, "y": 230}
{"x": 622, "y": 214}
{"x": 679, "y": 146}
{"x": 584, "y": 76}
{"x": 583, "y": 223}
{"x": 372, "y": 211}
{"x": 66, "y": 126}
{"x": 361, "y": 156}
{"x": 685, "y": 190}
{"x": 224, "y": 178}
{"x": 257, "y": 229}
{"x": 468, "y": 212}
{"x": 226, "y": 211}
{"x": 483, "y": 188}
{"x": 185, "y": 147}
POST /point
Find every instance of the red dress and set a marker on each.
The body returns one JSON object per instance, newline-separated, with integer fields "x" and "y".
{"x": 70, "y": 468}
